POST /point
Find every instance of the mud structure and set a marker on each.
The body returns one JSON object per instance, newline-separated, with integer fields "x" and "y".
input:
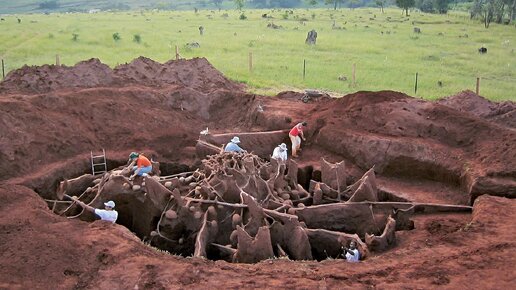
{"x": 241, "y": 208}
{"x": 391, "y": 162}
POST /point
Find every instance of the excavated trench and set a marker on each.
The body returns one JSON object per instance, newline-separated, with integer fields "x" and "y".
{"x": 242, "y": 208}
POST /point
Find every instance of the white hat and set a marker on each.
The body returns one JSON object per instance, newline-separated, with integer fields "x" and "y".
{"x": 235, "y": 140}
{"x": 283, "y": 146}
{"x": 110, "y": 203}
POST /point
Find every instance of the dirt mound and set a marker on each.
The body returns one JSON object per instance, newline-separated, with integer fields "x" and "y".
{"x": 41, "y": 79}
{"x": 503, "y": 113}
{"x": 197, "y": 74}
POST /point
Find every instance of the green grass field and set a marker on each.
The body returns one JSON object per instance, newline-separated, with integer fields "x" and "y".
{"x": 442, "y": 52}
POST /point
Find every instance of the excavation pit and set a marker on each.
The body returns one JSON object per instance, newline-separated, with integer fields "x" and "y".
{"x": 239, "y": 207}
{"x": 456, "y": 151}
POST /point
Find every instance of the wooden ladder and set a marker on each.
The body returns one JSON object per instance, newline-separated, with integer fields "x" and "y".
{"x": 98, "y": 163}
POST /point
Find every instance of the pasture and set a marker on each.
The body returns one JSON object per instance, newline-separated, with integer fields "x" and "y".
{"x": 386, "y": 50}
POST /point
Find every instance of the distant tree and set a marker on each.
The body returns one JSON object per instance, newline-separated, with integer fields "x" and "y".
{"x": 488, "y": 12}
{"x": 493, "y": 10}
{"x": 239, "y": 4}
{"x": 441, "y": 6}
{"x": 75, "y": 36}
{"x": 116, "y": 36}
{"x": 334, "y": 2}
{"x": 381, "y": 4}
{"x": 259, "y": 3}
{"x": 353, "y": 3}
{"x": 476, "y": 9}
{"x": 405, "y": 5}
{"x": 53, "y": 4}
{"x": 312, "y": 2}
{"x": 426, "y": 6}
{"x": 217, "y": 2}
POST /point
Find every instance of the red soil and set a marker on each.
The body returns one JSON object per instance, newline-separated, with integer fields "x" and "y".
{"x": 51, "y": 117}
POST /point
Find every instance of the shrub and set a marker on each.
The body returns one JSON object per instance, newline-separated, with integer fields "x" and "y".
{"x": 116, "y": 36}
{"x": 137, "y": 38}
{"x": 242, "y": 17}
{"x": 75, "y": 36}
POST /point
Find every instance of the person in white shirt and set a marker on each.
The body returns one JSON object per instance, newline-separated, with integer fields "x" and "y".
{"x": 107, "y": 214}
{"x": 352, "y": 254}
{"x": 280, "y": 152}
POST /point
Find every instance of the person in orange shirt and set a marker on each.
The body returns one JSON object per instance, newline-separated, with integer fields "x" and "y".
{"x": 143, "y": 165}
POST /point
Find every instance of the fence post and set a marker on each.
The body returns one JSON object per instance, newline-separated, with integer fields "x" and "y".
{"x": 250, "y": 61}
{"x": 304, "y": 68}
{"x": 354, "y": 74}
{"x": 415, "y": 86}
{"x": 3, "y": 70}
{"x": 58, "y": 62}
{"x": 478, "y": 86}
{"x": 177, "y": 53}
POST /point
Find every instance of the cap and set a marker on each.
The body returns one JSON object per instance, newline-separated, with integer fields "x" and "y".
{"x": 283, "y": 146}
{"x": 110, "y": 203}
{"x": 235, "y": 140}
{"x": 133, "y": 155}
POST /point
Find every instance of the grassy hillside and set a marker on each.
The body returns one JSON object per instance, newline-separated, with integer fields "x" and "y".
{"x": 386, "y": 51}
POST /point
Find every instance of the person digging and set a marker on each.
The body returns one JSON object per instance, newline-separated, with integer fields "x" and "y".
{"x": 351, "y": 254}
{"x": 106, "y": 214}
{"x": 296, "y": 134}
{"x": 143, "y": 165}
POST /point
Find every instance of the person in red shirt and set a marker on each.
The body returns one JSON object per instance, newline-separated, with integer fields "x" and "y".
{"x": 295, "y": 135}
{"x": 143, "y": 165}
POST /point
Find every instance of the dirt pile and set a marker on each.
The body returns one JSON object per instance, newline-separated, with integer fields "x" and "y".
{"x": 197, "y": 74}
{"x": 503, "y": 113}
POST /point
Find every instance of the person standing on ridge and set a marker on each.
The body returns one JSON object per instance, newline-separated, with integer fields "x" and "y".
{"x": 296, "y": 134}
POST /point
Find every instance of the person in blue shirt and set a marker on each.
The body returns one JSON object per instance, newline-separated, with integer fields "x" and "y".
{"x": 233, "y": 147}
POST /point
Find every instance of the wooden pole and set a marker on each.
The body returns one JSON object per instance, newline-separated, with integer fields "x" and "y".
{"x": 250, "y": 61}
{"x": 304, "y": 68}
{"x": 177, "y": 53}
{"x": 478, "y": 86}
{"x": 354, "y": 74}
{"x": 57, "y": 60}
{"x": 3, "y": 69}
{"x": 415, "y": 86}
